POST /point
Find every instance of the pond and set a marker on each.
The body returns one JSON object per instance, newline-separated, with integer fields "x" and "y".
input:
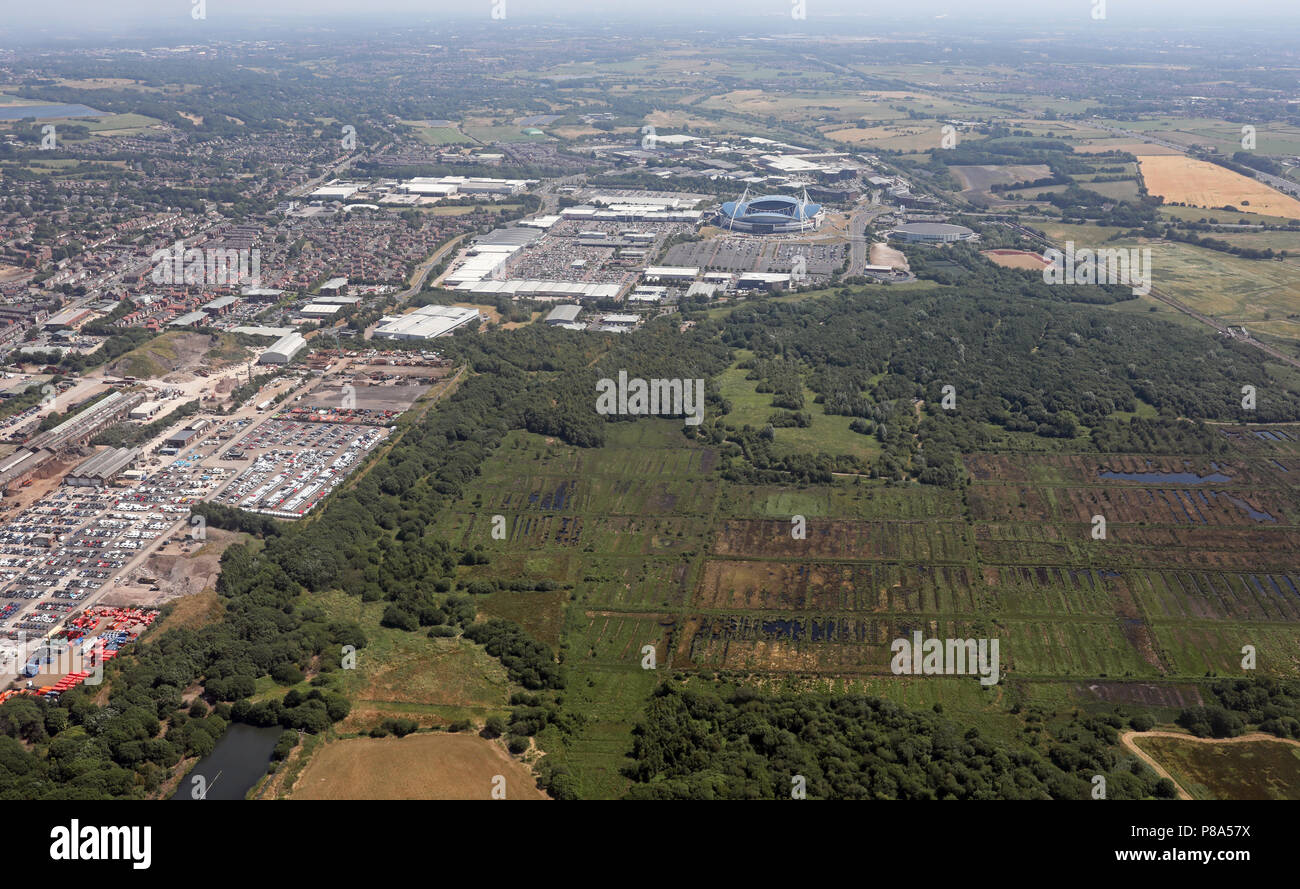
{"x": 235, "y": 764}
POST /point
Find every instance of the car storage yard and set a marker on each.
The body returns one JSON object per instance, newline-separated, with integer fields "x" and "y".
{"x": 71, "y": 546}
{"x": 293, "y": 466}
{"x": 74, "y": 542}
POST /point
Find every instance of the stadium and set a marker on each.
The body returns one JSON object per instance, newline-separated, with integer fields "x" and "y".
{"x": 932, "y": 233}
{"x": 771, "y": 213}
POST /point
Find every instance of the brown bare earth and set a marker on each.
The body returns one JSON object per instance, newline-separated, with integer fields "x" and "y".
{"x": 178, "y": 568}
{"x": 883, "y": 254}
{"x": 1186, "y": 180}
{"x": 422, "y": 766}
{"x": 1016, "y": 259}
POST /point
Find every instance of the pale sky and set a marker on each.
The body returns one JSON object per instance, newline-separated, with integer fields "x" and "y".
{"x": 123, "y": 17}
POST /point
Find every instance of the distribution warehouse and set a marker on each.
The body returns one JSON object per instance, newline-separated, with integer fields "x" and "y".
{"x": 426, "y": 322}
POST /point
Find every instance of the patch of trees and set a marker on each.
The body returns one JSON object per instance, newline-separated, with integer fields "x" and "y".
{"x": 1258, "y": 162}
{"x": 1019, "y": 360}
{"x": 699, "y": 744}
{"x": 1271, "y": 704}
{"x": 527, "y": 662}
{"x": 232, "y": 518}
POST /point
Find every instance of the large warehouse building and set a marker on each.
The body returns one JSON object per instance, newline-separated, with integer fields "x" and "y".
{"x": 283, "y": 350}
{"x": 100, "y": 470}
{"x": 770, "y": 214}
{"x": 426, "y": 322}
{"x": 932, "y": 233}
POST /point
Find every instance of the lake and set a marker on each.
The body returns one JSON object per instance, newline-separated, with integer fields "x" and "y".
{"x": 47, "y": 112}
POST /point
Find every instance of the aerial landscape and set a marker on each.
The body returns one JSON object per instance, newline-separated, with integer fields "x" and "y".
{"x": 518, "y": 402}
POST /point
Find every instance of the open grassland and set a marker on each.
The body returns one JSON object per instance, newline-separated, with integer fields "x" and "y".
{"x": 400, "y": 674}
{"x": 438, "y": 135}
{"x": 1228, "y": 770}
{"x": 420, "y": 766}
{"x": 1202, "y": 184}
{"x": 1250, "y": 292}
{"x": 827, "y": 434}
{"x": 487, "y": 133}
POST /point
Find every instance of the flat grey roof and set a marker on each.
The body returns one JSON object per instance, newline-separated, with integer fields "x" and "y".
{"x": 563, "y": 313}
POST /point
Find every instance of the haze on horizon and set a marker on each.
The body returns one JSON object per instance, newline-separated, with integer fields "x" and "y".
{"x": 78, "y": 17}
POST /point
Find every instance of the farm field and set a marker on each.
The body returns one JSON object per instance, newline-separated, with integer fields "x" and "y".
{"x": 1234, "y": 769}
{"x": 1186, "y": 180}
{"x": 978, "y": 179}
{"x": 434, "y": 765}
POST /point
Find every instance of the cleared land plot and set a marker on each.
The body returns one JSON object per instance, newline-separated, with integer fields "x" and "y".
{"x": 399, "y": 674}
{"x": 1016, "y": 259}
{"x": 370, "y": 398}
{"x": 1190, "y": 181}
{"x": 1229, "y": 770}
{"x": 982, "y": 177}
{"x": 420, "y": 766}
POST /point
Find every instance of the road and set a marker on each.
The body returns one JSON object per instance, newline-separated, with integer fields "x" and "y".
{"x": 859, "y": 244}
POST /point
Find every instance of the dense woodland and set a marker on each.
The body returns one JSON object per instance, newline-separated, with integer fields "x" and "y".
{"x": 701, "y": 745}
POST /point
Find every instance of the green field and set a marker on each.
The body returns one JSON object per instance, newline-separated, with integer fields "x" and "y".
{"x": 438, "y": 135}
{"x": 1252, "y": 292}
{"x": 829, "y": 434}
{"x": 652, "y": 548}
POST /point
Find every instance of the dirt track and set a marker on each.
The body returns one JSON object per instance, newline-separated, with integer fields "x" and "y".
{"x": 1126, "y": 738}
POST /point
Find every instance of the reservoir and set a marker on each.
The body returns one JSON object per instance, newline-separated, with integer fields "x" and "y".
{"x": 235, "y": 764}
{"x": 47, "y": 112}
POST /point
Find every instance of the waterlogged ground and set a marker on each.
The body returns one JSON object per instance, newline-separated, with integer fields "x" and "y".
{"x": 663, "y": 555}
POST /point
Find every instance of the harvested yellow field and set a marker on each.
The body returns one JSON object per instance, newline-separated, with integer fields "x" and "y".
{"x": 1099, "y": 146}
{"x": 420, "y": 766}
{"x": 1202, "y": 184}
